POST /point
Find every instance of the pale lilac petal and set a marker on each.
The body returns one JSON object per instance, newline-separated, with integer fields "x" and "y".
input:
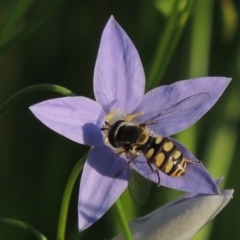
{"x": 182, "y": 116}
{"x": 119, "y": 80}
{"x": 187, "y": 196}
{"x": 196, "y": 180}
{"x": 103, "y": 180}
{"x": 181, "y": 219}
{"x": 77, "y": 118}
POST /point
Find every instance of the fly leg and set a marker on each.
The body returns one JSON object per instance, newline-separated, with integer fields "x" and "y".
{"x": 130, "y": 158}
{"x": 155, "y": 171}
{"x": 191, "y": 161}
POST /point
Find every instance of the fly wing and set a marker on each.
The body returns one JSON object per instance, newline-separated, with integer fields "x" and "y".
{"x": 178, "y": 110}
{"x": 139, "y": 187}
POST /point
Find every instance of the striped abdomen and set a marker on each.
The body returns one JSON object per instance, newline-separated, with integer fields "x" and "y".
{"x": 165, "y": 155}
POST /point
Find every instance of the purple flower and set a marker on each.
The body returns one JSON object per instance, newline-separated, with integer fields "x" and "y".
{"x": 119, "y": 84}
{"x": 179, "y": 219}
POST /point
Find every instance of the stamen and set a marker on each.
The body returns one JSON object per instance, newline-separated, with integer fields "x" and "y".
{"x": 132, "y": 116}
{"x": 110, "y": 115}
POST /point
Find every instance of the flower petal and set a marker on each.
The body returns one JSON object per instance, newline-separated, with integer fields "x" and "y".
{"x": 181, "y": 220}
{"x": 77, "y": 118}
{"x": 103, "y": 180}
{"x": 183, "y": 114}
{"x": 119, "y": 80}
{"x": 196, "y": 179}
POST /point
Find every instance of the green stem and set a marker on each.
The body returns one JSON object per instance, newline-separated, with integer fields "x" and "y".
{"x": 35, "y": 88}
{"x": 175, "y": 39}
{"x": 201, "y": 39}
{"x": 169, "y": 41}
{"x": 199, "y": 57}
{"x": 66, "y": 198}
{"x": 198, "y": 66}
{"x": 24, "y": 226}
{"x": 162, "y": 47}
{"x": 122, "y": 220}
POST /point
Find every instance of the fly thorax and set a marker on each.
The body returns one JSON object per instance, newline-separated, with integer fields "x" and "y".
{"x": 128, "y": 135}
{"x": 120, "y": 132}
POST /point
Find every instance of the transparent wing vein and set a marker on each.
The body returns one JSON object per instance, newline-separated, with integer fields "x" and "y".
{"x": 178, "y": 110}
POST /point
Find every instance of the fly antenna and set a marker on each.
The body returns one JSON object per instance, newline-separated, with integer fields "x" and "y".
{"x": 105, "y": 128}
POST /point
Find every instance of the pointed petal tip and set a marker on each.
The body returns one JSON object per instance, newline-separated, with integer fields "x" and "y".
{"x": 228, "y": 192}
{"x": 226, "y": 79}
{"x": 117, "y": 62}
{"x": 33, "y": 108}
{"x": 81, "y": 226}
{"x": 194, "y": 96}
{"x": 84, "y": 222}
{"x": 111, "y": 22}
{"x": 94, "y": 198}
{"x": 112, "y": 18}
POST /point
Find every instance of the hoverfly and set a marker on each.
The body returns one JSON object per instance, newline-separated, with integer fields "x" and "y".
{"x": 160, "y": 152}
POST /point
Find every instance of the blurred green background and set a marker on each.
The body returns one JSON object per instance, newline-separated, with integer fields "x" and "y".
{"x": 56, "y": 42}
